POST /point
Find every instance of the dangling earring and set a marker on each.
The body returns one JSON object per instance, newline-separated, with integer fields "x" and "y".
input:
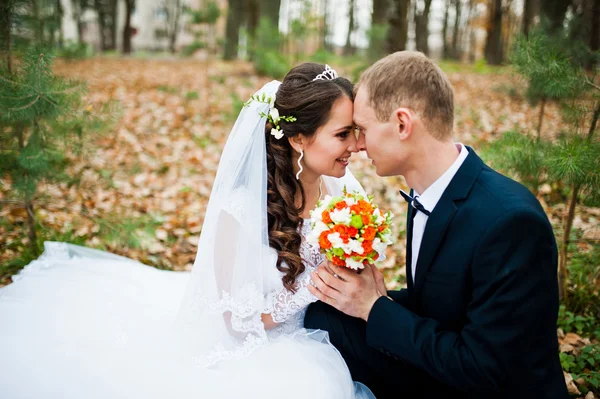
{"x": 299, "y": 164}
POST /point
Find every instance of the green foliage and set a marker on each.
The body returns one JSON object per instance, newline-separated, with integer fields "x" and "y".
{"x": 190, "y": 49}
{"x": 42, "y": 119}
{"x": 268, "y": 59}
{"x": 208, "y": 15}
{"x": 75, "y": 51}
{"x": 549, "y": 70}
{"x": 377, "y": 35}
{"x": 519, "y": 155}
{"x": 584, "y": 365}
{"x": 584, "y": 286}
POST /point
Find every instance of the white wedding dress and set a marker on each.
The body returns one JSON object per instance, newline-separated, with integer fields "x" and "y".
{"x": 82, "y": 323}
{"x": 79, "y": 323}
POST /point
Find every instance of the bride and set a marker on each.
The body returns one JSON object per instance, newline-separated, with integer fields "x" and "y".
{"x": 82, "y": 323}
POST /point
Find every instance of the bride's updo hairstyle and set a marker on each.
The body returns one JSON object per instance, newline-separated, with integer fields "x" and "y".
{"x": 310, "y": 102}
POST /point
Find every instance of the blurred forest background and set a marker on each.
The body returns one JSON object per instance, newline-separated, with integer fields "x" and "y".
{"x": 113, "y": 115}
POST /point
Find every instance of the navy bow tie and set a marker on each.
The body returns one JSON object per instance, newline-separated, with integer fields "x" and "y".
{"x": 414, "y": 202}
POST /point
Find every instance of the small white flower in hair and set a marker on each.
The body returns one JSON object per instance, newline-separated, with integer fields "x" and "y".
{"x": 277, "y": 133}
{"x": 274, "y": 113}
{"x": 272, "y": 101}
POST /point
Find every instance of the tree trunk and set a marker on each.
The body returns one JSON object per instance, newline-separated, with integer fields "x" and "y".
{"x": 252, "y": 11}
{"x": 595, "y": 33}
{"x": 349, "y": 48}
{"x": 528, "y": 14}
{"x": 422, "y": 27}
{"x": 232, "y": 30}
{"x": 493, "y": 45}
{"x": 270, "y": 9}
{"x": 554, "y": 12}
{"x": 6, "y": 10}
{"x": 446, "y": 47}
{"x": 379, "y": 18}
{"x": 127, "y": 31}
{"x": 455, "y": 32}
{"x": 398, "y": 30}
{"x": 173, "y": 18}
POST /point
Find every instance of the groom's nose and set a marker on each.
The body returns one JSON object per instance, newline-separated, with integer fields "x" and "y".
{"x": 360, "y": 142}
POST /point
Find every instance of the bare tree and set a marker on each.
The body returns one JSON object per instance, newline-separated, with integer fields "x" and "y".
{"x": 173, "y": 9}
{"x": 349, "y": 48}
{"x": 456, "y": 30}
{"x": 107, "y": 23}
{"x": 127, "y": 30}
{"x": 422, "y": 25}
{"x": 494, "y": 53}
{"x": 398, "y": 30}
{"x": 232, "y": 30}
{"x": 446, "y": 47}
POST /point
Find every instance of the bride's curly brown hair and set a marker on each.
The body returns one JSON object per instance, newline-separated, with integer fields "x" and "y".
{"x": 310, "y": 102}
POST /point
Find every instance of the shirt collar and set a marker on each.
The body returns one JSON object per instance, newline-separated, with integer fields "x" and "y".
{"x": 433, "y": 193}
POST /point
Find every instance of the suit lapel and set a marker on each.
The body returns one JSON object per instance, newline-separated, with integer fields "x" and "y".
{"x": 436, "y": 226}
{"x": 409, "y": 235}
{"x": 443, "y": 213}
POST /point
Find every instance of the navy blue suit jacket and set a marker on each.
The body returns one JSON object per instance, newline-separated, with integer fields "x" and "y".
{"x": 481, "y": 315}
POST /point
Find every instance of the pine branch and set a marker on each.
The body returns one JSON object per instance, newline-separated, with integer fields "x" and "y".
{"x": 590, "y": 83}
{"x": 28, "y": 105}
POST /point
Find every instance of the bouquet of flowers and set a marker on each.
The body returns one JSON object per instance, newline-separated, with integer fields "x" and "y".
{"x": 350, "y": 230}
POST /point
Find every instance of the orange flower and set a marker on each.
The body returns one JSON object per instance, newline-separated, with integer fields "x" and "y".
{"x": 355, "y": 209}
{"x": 326, "y": 217}
{"x": 376, "y": 256}
{"x": 369, "y": 233}
{"x": 366, "y": 219}
{"x": 365, "y": 207}
{"x": 340, "y": 205}
{"x": 340, "y": 228}
{"x": 324, "y": 241}
{"x": 367, "y": 246}
{"x": 352, "y": 231}
{"x": 338, "y": 261}
{"x": 382, "y": 227}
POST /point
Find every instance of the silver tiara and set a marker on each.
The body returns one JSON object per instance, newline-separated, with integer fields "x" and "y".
{"x": 328, "y": 74}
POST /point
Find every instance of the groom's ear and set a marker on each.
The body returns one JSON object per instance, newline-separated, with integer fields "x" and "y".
{"x": 403, "y": 118}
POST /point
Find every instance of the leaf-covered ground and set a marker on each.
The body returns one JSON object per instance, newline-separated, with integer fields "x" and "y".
{"x": 142, "y": 187}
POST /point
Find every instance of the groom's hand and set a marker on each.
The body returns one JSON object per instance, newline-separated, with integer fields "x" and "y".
{"x": 347, "y": 291}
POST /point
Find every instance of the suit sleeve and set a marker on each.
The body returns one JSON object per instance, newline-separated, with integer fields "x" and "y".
{"x": 514, "y": 290}
{"x": 400, "y": 297}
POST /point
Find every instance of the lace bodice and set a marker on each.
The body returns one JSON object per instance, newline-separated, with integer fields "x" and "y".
{"x": 289, "y": 308}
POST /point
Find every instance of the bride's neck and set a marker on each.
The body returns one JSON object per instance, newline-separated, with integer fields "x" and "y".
{"x": 312, "y": 191}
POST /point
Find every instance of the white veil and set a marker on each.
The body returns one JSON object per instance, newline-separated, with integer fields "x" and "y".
{"x": 225, "y": 296}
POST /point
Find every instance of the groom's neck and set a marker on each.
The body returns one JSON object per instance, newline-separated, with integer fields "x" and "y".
{"x": 430, "y": 160}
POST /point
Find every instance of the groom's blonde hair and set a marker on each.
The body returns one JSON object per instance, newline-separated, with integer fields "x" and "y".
{"x": 410, "y": 79}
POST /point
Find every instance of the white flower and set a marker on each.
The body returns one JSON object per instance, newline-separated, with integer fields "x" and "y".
{"x": 277, "y": 133}
{"x": 350, "y": 201}
{"x": 379, "y": 246}
{"x": 353, "y": 246}
{"x": 318, "y": 228}
{"x": 335, "y": 240}
{"x": 317, "y": 213}
{"x": 353, "y": 264}
{"x": 341, "y": 216}
{"x": 380, "y": 219}
{"x": 274, "y": 114}
{"x": 272, "y": 101}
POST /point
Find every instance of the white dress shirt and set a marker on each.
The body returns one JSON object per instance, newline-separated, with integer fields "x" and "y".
{"x": 429, "y": 200}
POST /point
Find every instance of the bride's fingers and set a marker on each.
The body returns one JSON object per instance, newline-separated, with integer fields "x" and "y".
{"x": 315, "y": 287}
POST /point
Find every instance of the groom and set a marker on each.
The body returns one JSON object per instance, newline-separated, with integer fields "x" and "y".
{"x": 478, "y": 318}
